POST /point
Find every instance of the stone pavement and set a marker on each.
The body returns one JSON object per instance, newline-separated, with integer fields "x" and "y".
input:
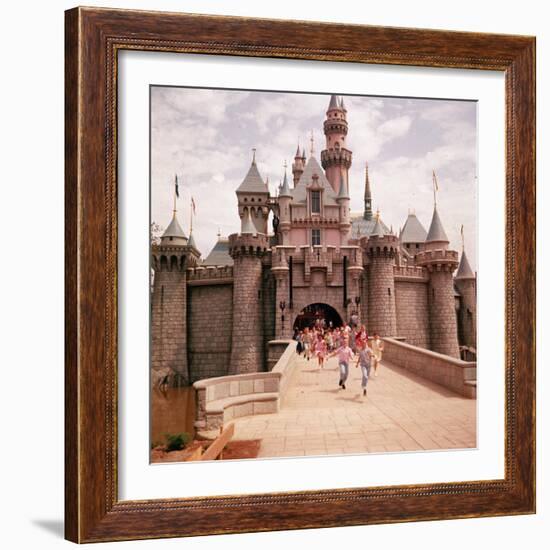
{"x": 401, "y": 412}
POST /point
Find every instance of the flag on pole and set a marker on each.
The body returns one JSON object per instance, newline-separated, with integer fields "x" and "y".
{"x": 193, "y": 205}
{"x": 177, "y": 187}
{"x": 435, "y": 180}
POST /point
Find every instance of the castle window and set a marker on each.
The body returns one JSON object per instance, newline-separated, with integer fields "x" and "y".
{"x": 315, "y": 237}
{"x": 315, "y": 202}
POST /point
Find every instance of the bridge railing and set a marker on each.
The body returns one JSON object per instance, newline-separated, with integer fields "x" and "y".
{"x": 225, "y": 398}
{"x": 454, "y": 374}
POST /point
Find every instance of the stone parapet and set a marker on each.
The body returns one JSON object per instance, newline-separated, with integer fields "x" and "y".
{"x": 454, "y": 374}
{"x": 224, "y": 398}
{"x": 248, "y": 244}
{"x": 438, "y": 260}
{"x": 410, "y": 273}
{"x": 210, "y": 275}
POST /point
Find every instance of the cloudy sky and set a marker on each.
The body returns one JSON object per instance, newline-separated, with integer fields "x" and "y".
{"x": 206, "y": 137}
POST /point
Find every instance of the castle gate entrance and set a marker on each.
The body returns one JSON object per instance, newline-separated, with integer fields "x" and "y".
{"x": 314, "y": 314}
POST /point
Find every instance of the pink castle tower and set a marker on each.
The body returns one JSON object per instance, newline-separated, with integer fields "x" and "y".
{"x": 336, "y": 158}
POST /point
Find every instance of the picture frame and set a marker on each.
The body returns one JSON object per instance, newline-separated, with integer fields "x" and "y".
{"x": 94, "y": 37}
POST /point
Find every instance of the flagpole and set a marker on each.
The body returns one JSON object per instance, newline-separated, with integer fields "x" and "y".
{"x": 191, "y": 217}
{"x": 175, "y": 185}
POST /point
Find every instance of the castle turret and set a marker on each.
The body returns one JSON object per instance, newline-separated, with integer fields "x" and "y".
{"x": 465, "y": 281}
{"x": 284, "y": 200}
{"x": 336, "y": 158}
{"x": 253, "y": 196}
{"x": 381, "y": 248}
{"x": 247, "y": 249}
{"x": 170, "y": 260}
{"x": 343, "y": 201}
{"x": 440, "y": 263}
{"x": 298, "y": 166}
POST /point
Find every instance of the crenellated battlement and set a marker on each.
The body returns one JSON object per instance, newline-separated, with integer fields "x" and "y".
{"x": 210, "y": 275}
{"x": 410, "y": 273}
{"x": 378, "y": 246}
{"x": 438, "y": 260}
{"x": 248, "y": 245}
{"x": 338, "y": 157}
{"x": 173, "y": 257}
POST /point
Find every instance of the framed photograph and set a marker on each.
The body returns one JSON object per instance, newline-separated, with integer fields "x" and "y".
{"x": 300, "y": 275}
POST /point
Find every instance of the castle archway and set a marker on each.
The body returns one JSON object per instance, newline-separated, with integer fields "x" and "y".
{"x": 317, "y": 313}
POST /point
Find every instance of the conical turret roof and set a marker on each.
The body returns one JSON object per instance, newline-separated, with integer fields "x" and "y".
{"x": 247, "y": 226}
{"x": 413, "y": 231}
{"x": 378, "y": 230}
{"x": 333, "y": 103}
{"x": 285, "y": 188}
{"x": 253, "y": 182}
{"x": 219, "y": 255}
{"x": 464, "y": 269}
{"x": 436, "y": 233}
{"x": 343, "y": 191}
{"x": 174, "y": 229}
{"x": 191, "y": 241}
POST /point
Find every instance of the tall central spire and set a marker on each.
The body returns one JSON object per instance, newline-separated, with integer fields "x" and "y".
{"x": 367, "y": 212}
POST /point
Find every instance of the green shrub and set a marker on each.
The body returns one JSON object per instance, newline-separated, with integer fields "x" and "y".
{"x": 176, "y": 442}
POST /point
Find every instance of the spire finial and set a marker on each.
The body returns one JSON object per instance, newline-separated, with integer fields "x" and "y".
{"x": 462, "y": 236}
{"x": 312, "y": 150}
{"x": 219, "y": 234}
{"x": 253, "y": 155}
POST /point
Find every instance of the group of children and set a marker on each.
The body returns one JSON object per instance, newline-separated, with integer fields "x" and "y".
{"x": 346, "y": 343}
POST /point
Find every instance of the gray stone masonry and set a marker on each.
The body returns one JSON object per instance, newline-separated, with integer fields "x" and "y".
{"x": 210, "y": 319}
{"x": 247, "y": 348}
{"x": 168, "y": 323}
{"x": 441, "y": 299}
{"x": 411, "y": 299}
{"x": 468, "y": 312}
{"x": 381, "y": 288}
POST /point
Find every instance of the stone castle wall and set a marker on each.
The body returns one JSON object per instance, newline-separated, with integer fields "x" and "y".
{"x": 168, "y": 323}
{"x": 412, "y": 312}
{"x": 199, "y": 323}
{"x": 210, "y": 316}
{"x": 467, "y": 315}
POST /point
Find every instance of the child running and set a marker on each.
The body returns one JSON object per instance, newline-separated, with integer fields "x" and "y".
{"x": 365, "y": 359}
{"x": 377, "y": 349}
{"x": 345, "y": 354}
{"x": 320, "y": 349}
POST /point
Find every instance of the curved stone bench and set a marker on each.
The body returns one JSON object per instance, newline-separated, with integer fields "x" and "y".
{"x": 220, "y": 411}
{"x": 227, "y": 397}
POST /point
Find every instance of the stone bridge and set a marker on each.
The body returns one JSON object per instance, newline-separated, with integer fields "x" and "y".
{"x": 404, "y": 409}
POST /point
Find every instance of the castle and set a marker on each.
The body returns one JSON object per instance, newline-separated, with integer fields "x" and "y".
{"x": 215, "y": 317}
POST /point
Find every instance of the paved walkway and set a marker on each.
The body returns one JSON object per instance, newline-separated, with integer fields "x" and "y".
{"x": 401, "y": 412}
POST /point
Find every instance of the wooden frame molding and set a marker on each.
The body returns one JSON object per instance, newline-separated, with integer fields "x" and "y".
{"x": 93, "y": 39}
